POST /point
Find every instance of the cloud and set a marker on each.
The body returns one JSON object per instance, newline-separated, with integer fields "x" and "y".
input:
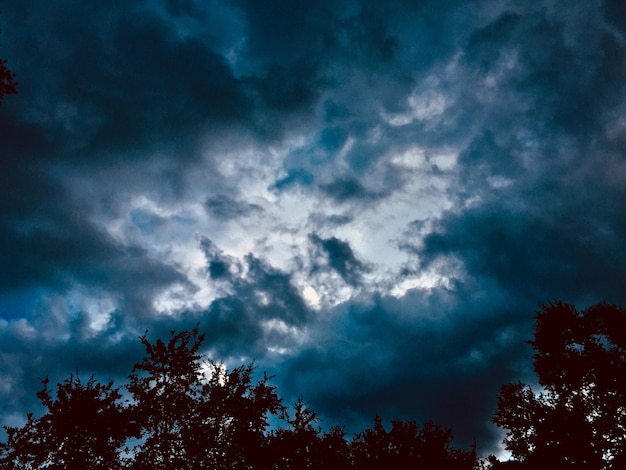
{"x": 295, "y": 177}
{"x": 224, "y": 207}
{"x": 341, "y": 258}
{"x": 286, "y": 88}
{"x": 342, "y": 190}
{"x": 412, "y": 357}
{"x": 60, "y": 248}
{"x": 262, "y": 312}
{"x": 131, "y": 84}
{"x": 556, "y": 243}
{"x": 369, "y": 200}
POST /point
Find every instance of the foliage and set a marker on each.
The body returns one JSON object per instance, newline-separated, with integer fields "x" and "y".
{"x": 8, "y": 85}
{"x": 407, "y": 446}
{"x": 303, "y": 445}
{"x": 579, "y": 419}
{"x": 164, "y": 397}
{"x": 83, "y": 427}
{"x": 184, "y": 411}
{"x": 188, "y": 420}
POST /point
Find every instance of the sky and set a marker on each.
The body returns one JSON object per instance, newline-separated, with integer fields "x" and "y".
{"x": 369, "y": 200}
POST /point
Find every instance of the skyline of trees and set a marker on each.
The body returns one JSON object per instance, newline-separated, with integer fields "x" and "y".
{"x": 181, "y": 410}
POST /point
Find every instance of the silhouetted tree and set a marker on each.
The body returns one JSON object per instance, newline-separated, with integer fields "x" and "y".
{"x": 334, "y": 450}
{"x": 8, "y": 85}
{"x": 303, "y": 445}
{"x": 297, "y": 445}
{"x": 166, "y": 389}
{"x": 407, "y": 446}
{"x": 579, "y": 418}
{"x": 185, "y": 411}
{"x": 234, "y": 416}
{"x": 191, "y": 420}
{"x": 83, "y": 428}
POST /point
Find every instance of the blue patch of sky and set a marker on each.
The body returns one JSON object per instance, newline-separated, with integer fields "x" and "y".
{"x": 144, "y": 220}
{"x": 20, "y": 304}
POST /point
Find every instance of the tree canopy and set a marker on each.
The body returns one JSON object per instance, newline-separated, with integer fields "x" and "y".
{"x": 8, "y": 85}
{"x": 181, "y": 410}
{"x": 84, "y": 427}
{"x": 578, "y": 419}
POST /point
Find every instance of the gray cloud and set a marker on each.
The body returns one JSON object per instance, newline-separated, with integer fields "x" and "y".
{"x": 223, "y": 207}
{"x": 398, "y": 356}
{"x": 342, "y": 190}
{"x": 165, "y": 163}
{"x": 341, "y": 258}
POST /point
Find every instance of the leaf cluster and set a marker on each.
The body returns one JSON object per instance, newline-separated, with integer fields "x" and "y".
{"x": 8, "y": 85}
{"x": 181, "y": 410}
{"x": 578, "y": 418}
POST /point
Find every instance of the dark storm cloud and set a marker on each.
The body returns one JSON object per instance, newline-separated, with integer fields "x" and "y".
{"x": 261, "y": 308}
{"x": 335, "y": 220}
{"x": 297, "y": 177}
{"x": 100, "y": 87}
{"x": 424, "y": 356}
{"x": 348, "y": 189}
{"x": 122, "y": 80}
{"x": 219, "y": 265}
{"x": 342, "y": 190}
{"x": 57, "y": 248}
{"x": 120, "y": 100}
{"x": 341, "y": 258}
{"x": 615, "y": 13}
{"x": 223, "y": 207}
{"x": 567, "y": 78}
{"x": 541, "y": 215}
{"x": 166, "y": 87}
{"x": 286, "y": 88}
{"x": 563, "y": 244}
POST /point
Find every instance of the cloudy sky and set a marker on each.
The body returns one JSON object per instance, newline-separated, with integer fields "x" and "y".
{"x": 368, "y": 199}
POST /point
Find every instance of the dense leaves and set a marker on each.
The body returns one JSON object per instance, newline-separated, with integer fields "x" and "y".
{"x": 8, "y": 85}
{"x": 407, "y": 446}
{"x": 84, "y": 427}
{"x": 579, "y": 418}
{"x": 195, "y": 414}
{"x": 181, "y": 410}
{"x": 303, "y": 445}
{"x": 165, "y": 395}
{"x": 184, "y": 411}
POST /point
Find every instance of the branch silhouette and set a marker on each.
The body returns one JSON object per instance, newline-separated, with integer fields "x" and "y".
{"x": 578, "y": 419}
{"x": 8, "y": 85}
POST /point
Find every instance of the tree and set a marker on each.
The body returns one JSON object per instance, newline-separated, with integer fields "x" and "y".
{"x": 303, "y": 445}
{"x": 188, "y": 412}
{"x": 298, "y": 445}
{"x": 82, "y": 429}
{"x": 189, "y": 420}
{"x": 407, "y": 446}
{"x": 165, "y": 388}
{"x": 334, "y": 450}
{"x": 8, "y": 85}
{"x": 234, "y": 415}
{"x": 579, "y": 418}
